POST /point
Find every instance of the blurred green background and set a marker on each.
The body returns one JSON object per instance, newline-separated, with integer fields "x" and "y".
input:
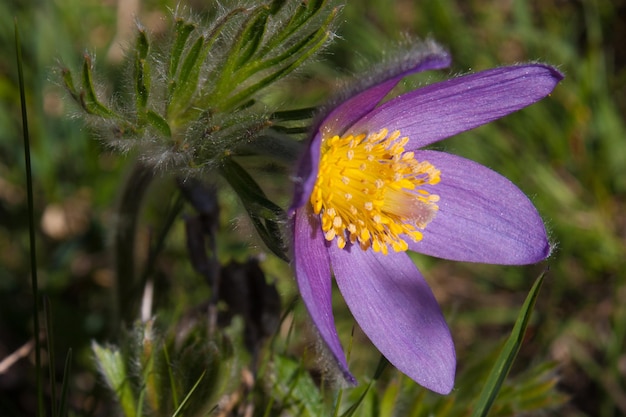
{"x": 568, "y": 153}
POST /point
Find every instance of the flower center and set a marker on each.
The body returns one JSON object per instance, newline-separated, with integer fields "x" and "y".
{"x": 368, "y": 190}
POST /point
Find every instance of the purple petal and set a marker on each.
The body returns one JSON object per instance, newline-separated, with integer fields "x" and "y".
{"x": 359, "y": 105}
{"x": 483, "y": 217}
{"x": 312, "y": 267}
{"x": 443, "y": 109}
{"x": 307, "y": 173}
{"x": 396, "y": 309}
{"x": 352, "y": 109}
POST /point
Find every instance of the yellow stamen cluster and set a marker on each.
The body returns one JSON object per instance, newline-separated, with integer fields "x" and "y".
{"x": 368, "y": 190}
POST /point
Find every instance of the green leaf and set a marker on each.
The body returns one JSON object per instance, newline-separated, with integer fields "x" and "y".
{"x": 186, "y": 82}
{"x": 263, "y": 213}
{"x": 221, "y": 23}
{"x": 88, "y": 97}
{"x": 182, "y": 29}
{"x": 159, "y": 123}
{"x": 142, "y": 71}
{"x": 298, "y": 53}
{"x": 298, "y": 21}
{"x": 294, "y": 386}
{"x": 66, "y": 74}
{"x": 249, "y": 190}
{"x": 353, "y": 408}
{"x": 295, "y": 114}
{"x": 142, "y": 83}
{"x": 251, "y": 36}
{"x": 227, "y": 79}
{"x": 111, "y": 364}
{"x": 382, "y": 364}
{"x": 276, "y": 6}
{"x": 142, "y": 44}
{"x": 389, "y": 398}
{"x": 505, "y": 360}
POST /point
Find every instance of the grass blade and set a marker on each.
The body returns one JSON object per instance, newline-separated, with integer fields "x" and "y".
{"x": 182, "y": 405}
{"x": 51, "y": 357}
{"x": 31, "y": 224}
{"x": 509, "y": 352}
{"x": 65, "y": 386}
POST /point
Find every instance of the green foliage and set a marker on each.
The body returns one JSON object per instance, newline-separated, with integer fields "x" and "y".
{"x": 195, "y": 93}
{"x": 264, "y": 214}
{"x": 509, "y": 352}
{"x": 293, "y": 389}
{"x": 113, "y": 369}
{"x": 166, "y": 375}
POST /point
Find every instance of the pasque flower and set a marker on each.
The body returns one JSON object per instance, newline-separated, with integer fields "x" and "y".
{"x": 366, "y": 192}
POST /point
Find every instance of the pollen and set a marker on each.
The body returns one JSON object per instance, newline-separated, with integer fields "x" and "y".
{"x": 370, "y": 192}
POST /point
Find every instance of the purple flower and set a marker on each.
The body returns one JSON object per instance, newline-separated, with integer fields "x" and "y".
{"x": 366, "y": 193}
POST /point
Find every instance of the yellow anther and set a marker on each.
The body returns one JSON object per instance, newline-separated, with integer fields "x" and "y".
{"x": 370, "y": 191}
